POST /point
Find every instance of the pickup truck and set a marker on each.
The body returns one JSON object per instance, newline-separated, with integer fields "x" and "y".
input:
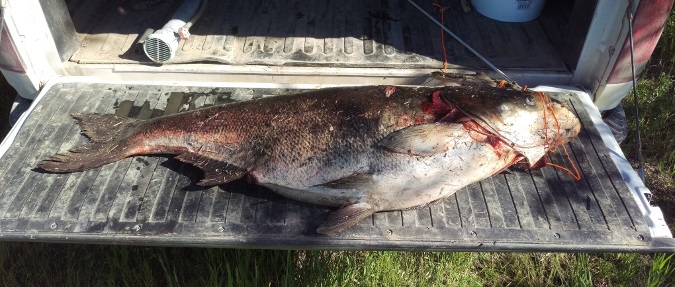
{"x": 145, "y": 59}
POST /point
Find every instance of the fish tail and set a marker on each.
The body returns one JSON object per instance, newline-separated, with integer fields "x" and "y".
{"x": 108, "y": 136}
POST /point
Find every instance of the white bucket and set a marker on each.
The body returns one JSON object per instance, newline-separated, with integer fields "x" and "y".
{"x": 510, "y": 10}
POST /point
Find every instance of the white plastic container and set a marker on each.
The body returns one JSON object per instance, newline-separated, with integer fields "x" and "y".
{"x": 510, "y": 10}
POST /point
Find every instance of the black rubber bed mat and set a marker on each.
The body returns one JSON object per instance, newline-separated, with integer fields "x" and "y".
{"x": 353, "y": 33}
{"x": 153, "y": 200}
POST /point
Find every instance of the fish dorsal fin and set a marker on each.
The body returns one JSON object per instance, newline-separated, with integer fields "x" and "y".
{"x": 420, "y": 140}
{"x": 354, "y": 181}
{"x": 345, "y": 217}
{"x": 215, "y": 171}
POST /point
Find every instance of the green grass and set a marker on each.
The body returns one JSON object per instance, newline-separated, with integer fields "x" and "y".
{"x": 656, "y": 102}
{"x": 84, "y": 265}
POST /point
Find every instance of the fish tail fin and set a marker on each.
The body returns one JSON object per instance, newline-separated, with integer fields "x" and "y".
{"x": 107, "y": 135}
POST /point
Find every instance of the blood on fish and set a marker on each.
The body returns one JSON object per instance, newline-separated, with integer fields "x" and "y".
{"x": 453, "y": 116}
{"x": 540, "y": 164}
{"x": 440, "y": 107}
{"x": 403, "y": 121}
{"x": 427, "y": 108}
{"x": 421, "y": 119}
{"x": 479, "y": 133}
{"x": 389, "y": 90}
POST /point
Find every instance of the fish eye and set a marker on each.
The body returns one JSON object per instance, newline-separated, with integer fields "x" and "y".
{"x": 529, "y": 100}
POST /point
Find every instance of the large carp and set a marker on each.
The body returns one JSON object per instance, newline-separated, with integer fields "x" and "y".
{"x": 363, "y": 149}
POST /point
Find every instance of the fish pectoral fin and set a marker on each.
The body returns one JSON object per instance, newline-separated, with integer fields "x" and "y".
{"x": 345, "y": 217}
{"x": 420, "y": 140}
{"x": 215, "y": 171}
{"x": 354, "y": 181}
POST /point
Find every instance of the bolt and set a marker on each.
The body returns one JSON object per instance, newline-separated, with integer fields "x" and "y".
{"x": 221, "y": 229}
{"x": 53, "y": 225}
{"x": 640, "y": 237}
{"x": 473, "y": 233}
{"x": 390, "y": 232}
{"x": 556, "y": 235}
{"x": 137, "y": 227}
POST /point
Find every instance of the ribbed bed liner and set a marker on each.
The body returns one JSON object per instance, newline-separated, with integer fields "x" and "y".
{"x": 316, "y": 33}
{"x": 154, "y": 200}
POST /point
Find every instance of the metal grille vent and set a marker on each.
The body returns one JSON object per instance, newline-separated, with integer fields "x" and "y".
{"x": 157, "y": 50}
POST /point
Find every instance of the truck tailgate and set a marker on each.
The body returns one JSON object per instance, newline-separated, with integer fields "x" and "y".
{"x": 153, "y": 200}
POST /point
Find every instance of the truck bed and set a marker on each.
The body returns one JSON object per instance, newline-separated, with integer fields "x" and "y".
{"x": 153, "y": 200}
{"x": 382, "y": 34}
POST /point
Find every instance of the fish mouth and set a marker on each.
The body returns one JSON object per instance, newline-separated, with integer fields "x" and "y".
{"x": 528, "y": 122}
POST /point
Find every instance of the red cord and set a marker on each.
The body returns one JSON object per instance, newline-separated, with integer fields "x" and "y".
{"x": 548, "y": 106}
{"x": 445, "y": 56}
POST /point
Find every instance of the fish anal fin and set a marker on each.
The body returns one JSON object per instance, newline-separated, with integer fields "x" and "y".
{"x": 421, "y": 140}
{"x": 354, "y": 181}
{"x": 345, "y": 217}
{"x": 428, "y": 204}
{"x": 215, "y": 171}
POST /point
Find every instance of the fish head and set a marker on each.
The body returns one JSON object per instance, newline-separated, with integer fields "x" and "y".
{"x": 530, "y": 122}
